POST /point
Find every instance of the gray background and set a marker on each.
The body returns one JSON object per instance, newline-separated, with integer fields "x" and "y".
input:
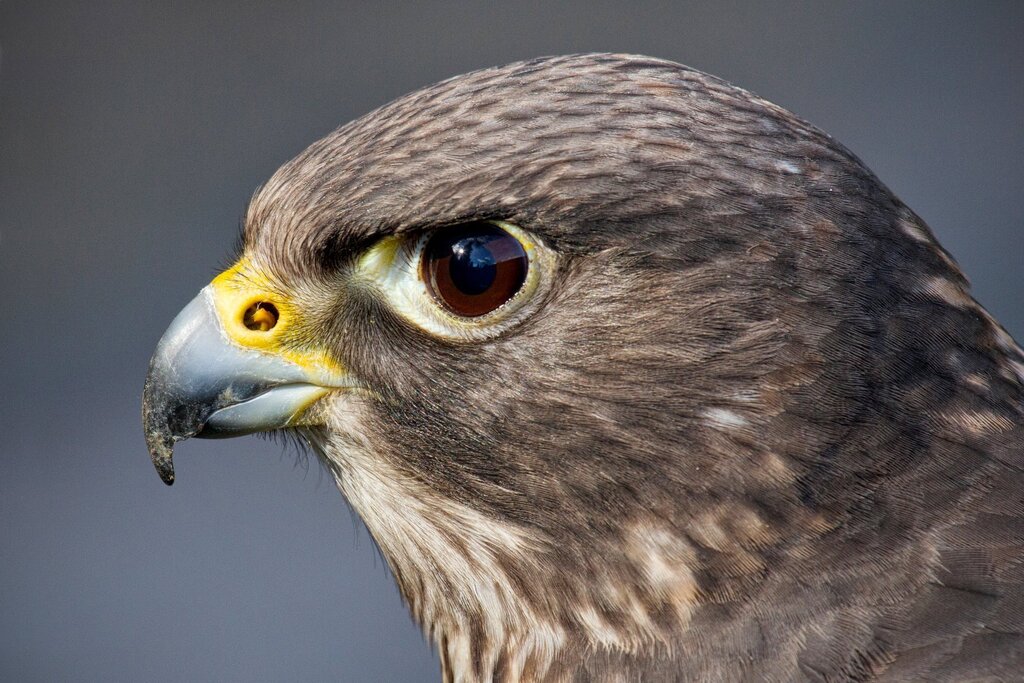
{"x": 132, "y": 135}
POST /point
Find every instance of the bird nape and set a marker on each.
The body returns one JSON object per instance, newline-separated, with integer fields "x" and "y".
{"x": 631, "y": 375}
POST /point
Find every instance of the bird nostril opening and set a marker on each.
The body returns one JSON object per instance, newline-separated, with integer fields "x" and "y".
{"x": 261, "y": 316}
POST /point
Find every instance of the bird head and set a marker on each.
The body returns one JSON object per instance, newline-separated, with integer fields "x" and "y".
{"x": 583, "y": 340}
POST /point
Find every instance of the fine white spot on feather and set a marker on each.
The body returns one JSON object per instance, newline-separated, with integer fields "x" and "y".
{"x": 601, "y": 631}
{"x": 722, "y": 418}
{"x": 634, "y": 628}
{"x": 666, "y": 559}
{"x": 948, "y": 291}
{"x": 978, "y": 422}
{"x": 787, "y": 167}
{"x": 774, "y": 468}
{"x": 914, "y": 231}
{"x": 977, "y": 382}
{"x": 1013, "y": 357}
{"x": 1018, "y": 369}
{"x": 1006, "y": 343}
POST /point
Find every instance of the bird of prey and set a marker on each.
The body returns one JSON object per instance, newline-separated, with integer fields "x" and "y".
{"x": 632, "y": 376}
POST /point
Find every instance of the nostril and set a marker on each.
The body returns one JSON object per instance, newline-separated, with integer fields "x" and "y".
{"x": 261, "y": 316}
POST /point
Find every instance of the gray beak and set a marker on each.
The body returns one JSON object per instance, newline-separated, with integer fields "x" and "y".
{"x": 202, "y": 383}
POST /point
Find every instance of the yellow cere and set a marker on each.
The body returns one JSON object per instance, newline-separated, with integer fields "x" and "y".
{"x": 256, "y": 315}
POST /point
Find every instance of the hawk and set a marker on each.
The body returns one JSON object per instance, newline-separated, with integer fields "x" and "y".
{"x": 631, "y": 375}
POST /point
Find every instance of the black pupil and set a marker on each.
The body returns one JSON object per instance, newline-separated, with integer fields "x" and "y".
{"x": 473, "y": 267}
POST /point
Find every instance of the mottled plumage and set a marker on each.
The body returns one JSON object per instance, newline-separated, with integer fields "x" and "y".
{"x": 753, "y": 428}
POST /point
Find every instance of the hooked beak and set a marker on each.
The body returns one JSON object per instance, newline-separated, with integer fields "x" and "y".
{"x": 204, "y": 382}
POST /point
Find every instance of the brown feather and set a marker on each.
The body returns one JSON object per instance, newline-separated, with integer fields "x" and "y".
{"x": 757, "y": 429}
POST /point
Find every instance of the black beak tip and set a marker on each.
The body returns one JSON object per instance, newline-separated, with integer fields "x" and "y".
{"x": 161, "y": 451}
{"x": 166, "y": 472}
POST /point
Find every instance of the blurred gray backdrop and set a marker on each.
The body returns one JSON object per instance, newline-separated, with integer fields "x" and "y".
{"x": 132, "y": 135}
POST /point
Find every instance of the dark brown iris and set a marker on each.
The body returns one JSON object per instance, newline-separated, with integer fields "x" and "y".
{"x": 473, "y": 269}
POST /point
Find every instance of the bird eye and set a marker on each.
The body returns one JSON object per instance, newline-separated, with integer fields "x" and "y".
{"x": 468, "y": 281}
{"x": 473, "y": 269}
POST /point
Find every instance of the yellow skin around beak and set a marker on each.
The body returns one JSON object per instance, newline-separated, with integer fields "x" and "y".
{"x": 244, "y": 295}
{"x": 236, "y": 360}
